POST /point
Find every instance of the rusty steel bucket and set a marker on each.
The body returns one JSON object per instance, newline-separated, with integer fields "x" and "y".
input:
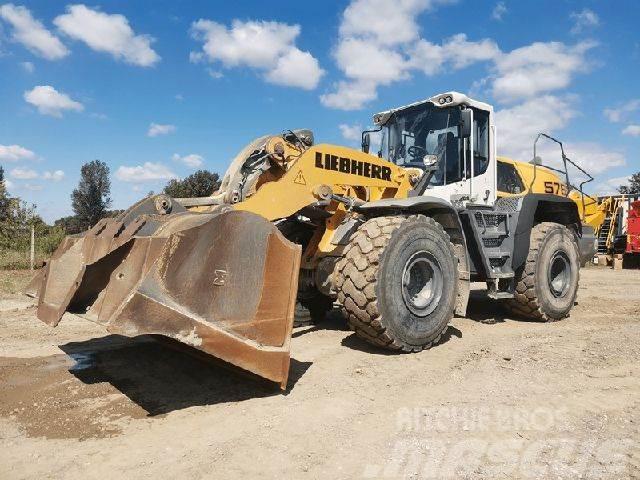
{"x": 224, "y": 283}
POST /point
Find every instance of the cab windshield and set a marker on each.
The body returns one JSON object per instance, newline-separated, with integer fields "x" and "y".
{"x": 422, "y": 131}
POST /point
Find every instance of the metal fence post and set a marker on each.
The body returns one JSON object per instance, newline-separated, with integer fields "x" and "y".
{"x": 33, "y": 246}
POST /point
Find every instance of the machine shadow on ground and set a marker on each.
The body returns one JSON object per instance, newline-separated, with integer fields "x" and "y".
{"x": 334, "y": 321}
{"x": 356, "y": 343}
{"x": 483, "y": 309}
{"x": 161, "y": 377}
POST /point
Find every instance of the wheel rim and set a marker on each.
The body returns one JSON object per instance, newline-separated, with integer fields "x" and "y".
{"x": 422, "y": 283}
{"x": 559, "y": 275}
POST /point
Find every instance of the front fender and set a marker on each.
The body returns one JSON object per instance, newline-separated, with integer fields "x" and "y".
{"x": 443, "y": 212}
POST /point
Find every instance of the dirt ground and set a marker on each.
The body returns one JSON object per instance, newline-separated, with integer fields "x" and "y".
{"x": 499, "y": 398}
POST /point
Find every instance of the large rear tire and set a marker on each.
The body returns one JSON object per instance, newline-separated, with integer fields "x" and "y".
{"x": 397, "y": 282}
{"x": 547, "y": 285}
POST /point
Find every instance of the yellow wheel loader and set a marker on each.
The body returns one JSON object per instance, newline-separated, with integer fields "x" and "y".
{"x": 394, "y": 238}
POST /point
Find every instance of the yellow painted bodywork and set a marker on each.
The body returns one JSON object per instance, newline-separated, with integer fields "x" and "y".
{"x": 298, "y": 188}
{"x": 300, "y": 178}
{"x": 547, "y": 181}
{"x": 533, "y": 183}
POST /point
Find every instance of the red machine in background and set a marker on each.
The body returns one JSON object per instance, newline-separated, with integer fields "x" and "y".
{"x": 633, "y": 228}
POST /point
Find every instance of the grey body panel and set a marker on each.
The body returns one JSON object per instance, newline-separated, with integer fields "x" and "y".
{"x": 553, "y": 208}
{"x": 410, "y": 204}
{"x": 587, "y": 244}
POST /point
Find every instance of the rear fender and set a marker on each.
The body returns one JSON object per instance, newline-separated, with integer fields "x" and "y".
{"x": 537, "y": 208}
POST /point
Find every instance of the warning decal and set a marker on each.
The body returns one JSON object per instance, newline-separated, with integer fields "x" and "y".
{"x": 300, "y": 179}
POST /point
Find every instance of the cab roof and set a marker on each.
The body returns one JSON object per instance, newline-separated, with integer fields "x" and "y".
{"x": 441, "y": 100}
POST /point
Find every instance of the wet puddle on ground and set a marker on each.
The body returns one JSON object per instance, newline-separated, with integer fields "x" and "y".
{"x": 98, "y": 386}
{"x": 82, "y": 361}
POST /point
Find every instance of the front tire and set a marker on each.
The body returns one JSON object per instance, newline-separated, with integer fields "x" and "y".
{"x": 397, "y": 282}
{"x": 547, "y": 285}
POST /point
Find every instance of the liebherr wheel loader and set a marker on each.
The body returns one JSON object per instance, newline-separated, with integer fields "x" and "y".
{"x": 396, "y": 238}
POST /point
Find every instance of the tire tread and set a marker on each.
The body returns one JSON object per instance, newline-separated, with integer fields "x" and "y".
{"x": 357, "y": 273}
{"x": 525, "y": 302}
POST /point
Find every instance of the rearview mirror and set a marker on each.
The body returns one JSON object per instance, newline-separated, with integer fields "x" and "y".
{"x": 430, "y": 160}
{"x": 366, "y": 142}
{"x": 464, "y": 129}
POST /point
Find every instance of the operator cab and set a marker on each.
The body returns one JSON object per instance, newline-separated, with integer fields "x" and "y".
{"x": 452, "y": 137}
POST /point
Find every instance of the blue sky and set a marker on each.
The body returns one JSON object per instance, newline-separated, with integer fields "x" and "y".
{"x": 89, "y": 81}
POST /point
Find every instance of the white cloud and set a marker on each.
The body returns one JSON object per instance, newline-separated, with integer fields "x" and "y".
{"x": 350, "y": 95}
{"x": 28, "y": 67}
{"x": 455, "y": 53}
{"x": 23, "y": 173}
{"x": 618, "y": 114}
{"x": 215, "y": 74}
{"x": 386, "y": 48}
{"x": 365, "y": 61}
{"x": 519, "y": 125}
{"x": 593, "y": 157}
{"x": 351, "y": 132}
{"x": 191, "y": 160}
{"x": 584, "y": 20}
{"x": 252, "y": 44}
{"x": 368, "y": 65}
{"x": 385, "y": 22}
{"x": 265, "y": 46}
{"x": 8, "y": 183}
{"x": 611, "y": 185}
{"x": 54, "y": 176}
{"x": 31, "y": 33}
{"x": 498, "y": 11}
{"x": 632, "y": 130}
{"x": 296, "y": 69}
{"x": 179, "y": 97}
{"x": 29, "y": 174}
{"x": 156, "y": 129}
{"x": 51, "y": 102}
{"x": 15, "y": 153}
{"x": 33, "y": 187}
{"x": 379, "y": 44}
{"x": 148, "y": 172}
{"x": 537, "y": 68}
{"x": 112, "y": 34}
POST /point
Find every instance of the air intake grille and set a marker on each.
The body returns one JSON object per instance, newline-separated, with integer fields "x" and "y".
{"x": 492, "y": 242}
{"x": 508, "y": 204}
{"x": 490, "y": 219}
{"x": 497, "y": 262}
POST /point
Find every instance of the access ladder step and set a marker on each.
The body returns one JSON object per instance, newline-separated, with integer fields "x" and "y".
{"x": 500, "y": 295}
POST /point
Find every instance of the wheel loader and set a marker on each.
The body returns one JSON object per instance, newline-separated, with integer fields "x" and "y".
{"x": 394, "y": 237}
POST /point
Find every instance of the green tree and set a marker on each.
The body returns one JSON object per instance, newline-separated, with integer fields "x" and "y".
{"x": 4, "y": 198}
{"x": 90, "y": 201}
{"x": 71, "y": 224}
{"x": 633, "y": 187}
{"x": 199, "y": 184}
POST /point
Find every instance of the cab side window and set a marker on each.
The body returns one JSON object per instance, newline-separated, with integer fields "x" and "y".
{"x": 480, "y": 142}
{"x": 508, "y": 179}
